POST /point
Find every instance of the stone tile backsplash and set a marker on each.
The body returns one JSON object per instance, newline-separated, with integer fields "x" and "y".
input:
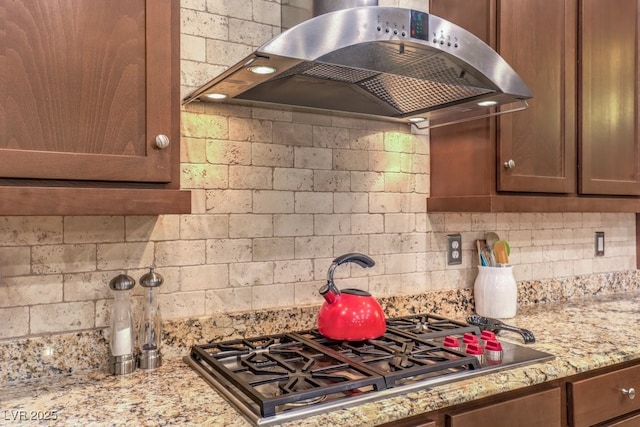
{"x": 66, "y": 353}
{"x": 276, "y": 196}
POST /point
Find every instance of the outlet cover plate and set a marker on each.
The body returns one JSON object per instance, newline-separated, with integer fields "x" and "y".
{"x": 454, "y": 249}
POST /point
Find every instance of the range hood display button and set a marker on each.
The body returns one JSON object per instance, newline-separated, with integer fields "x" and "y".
{"x": 419, "y": 25}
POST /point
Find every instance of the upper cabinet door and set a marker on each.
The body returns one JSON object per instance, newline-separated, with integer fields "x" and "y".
{"x": 463, "y": 156}
{"x": 537, "y": 147}
{"x": 608, "y": 97}
{"x": 86, "y": 88}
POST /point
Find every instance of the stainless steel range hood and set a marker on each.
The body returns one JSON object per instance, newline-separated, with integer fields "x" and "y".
{"x": 381, "y": 62}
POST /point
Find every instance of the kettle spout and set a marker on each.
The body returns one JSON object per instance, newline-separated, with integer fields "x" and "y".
{"x": 330, "y": 292}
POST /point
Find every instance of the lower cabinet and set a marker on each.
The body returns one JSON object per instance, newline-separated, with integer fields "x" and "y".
{"x": 534, "y": 407}
{"x": 534, "y": 410}
{"x": 602, "y": 397}
{"x": 416, "y": 421}
{"x": 631, "y": 421}
{"x": 605, "y": 397}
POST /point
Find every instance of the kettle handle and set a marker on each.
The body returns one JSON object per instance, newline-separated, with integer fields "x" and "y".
{"x": 361, "y": 259}
{"x": 330, "y": 290}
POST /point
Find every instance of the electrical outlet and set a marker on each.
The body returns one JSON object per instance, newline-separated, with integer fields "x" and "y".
{"x": 599, "y": 243}
{"x": 454, "y": 249}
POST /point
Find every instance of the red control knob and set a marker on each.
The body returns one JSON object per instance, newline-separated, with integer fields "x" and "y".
{"x": 452, "y": 342}
{"x": 493, "y": 354}
{"x": 469, "y": 338}
{"x": 493, "y": 345}
{"x": 474, "y": 349}
{"x": 487, "y": 336}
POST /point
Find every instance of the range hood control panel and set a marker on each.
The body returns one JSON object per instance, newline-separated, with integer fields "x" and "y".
{"x": 419, "y": 25}
{"x": 420, "y": 30}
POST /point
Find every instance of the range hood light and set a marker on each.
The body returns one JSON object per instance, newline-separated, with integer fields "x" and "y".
{"x": 216, "y": 96}
{"x": 487, "y": 103}
{"x": 262, "y": 69}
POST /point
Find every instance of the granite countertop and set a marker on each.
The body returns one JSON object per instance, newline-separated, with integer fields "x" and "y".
{"x": 583, "y": 334}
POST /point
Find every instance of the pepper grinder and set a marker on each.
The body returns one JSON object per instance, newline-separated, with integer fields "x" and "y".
{"x": 150, "y": 332}
{"x": 121, "y": 360}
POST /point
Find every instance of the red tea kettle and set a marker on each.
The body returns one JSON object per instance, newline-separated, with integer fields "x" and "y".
{"x": 353, "y": 314}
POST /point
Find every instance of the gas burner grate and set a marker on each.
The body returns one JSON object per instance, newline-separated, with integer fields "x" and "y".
{"x": 281, "y": 371}
{"x": 399, "y": 358}
{"x": 430, "y": 326}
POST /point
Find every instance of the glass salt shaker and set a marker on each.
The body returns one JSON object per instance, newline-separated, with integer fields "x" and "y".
{"x": 150, "y": 331}
{"x": 121, "y": 360}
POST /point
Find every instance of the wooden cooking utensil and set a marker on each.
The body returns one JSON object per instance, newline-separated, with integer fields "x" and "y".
{"x": 501, "y": 252}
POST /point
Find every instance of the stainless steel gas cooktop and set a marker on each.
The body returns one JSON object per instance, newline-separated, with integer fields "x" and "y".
{"x": 283, "y": 377}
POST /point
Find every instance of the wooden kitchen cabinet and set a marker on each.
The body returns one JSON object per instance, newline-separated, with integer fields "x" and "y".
{"x": 533, "y": 407}
{"x": 534, "y": 410}
{"x": 529, "y": 160}
{"x": 87, "y": 89}
{"x": 586, "y": 399}
{"x": 541, "y": 141}
{"x": 609, "y": 97}
{"x": 461, "y": 166}
{"x": 411, "y": 422}
{"x": 604, "y": 397}
{"x": 631, "y": 421}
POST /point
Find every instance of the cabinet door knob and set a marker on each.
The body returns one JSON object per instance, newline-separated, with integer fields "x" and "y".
{"x": 629, "y": 392}
{"x": 510, "y": 164}
{"x": 162, "y": 141}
